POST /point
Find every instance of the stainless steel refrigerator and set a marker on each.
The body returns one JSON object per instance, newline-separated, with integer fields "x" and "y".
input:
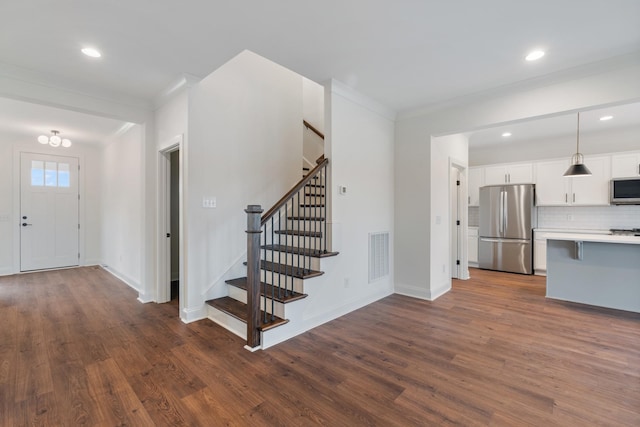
{"x": 507, "y": 219}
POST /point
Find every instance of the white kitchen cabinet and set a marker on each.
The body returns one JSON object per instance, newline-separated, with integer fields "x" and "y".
{"x": 472, "y": 246}
{"x": 476, "y": 180}
{"x": 625, "y": 165}
{"x": 540, "y": 256}
{"x": 509, "y": 174}
{"x": 553, "y": 189}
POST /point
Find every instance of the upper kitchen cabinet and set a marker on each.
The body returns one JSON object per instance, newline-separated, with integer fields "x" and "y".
{"x": 476, "y": 180}
{"x": 625, "y": 165}
{"x": 553, "y": 189}
{"x": 521, "y": 173}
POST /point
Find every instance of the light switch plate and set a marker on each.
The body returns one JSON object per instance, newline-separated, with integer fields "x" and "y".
{"x": 209, "y": 202}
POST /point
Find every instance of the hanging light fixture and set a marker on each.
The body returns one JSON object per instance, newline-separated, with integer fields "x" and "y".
{"x": 54, "y": 140}
{"x": 577, "y": 167}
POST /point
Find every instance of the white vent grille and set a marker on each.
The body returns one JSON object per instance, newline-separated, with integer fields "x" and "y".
{"x": 378, "y": 255}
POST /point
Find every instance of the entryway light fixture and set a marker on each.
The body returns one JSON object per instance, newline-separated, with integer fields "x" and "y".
{"x": 577, "y": 167}
{"x": 54, "y": 140}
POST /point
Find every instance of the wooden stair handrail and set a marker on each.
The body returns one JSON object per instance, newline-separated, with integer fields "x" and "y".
{"x": 304, "y": 181}
{"x": 312, "y": 129}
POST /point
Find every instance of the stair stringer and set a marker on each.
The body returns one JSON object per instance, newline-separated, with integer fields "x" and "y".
{"x": 311, "y": 312}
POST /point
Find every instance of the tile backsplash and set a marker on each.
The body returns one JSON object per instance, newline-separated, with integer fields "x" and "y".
{"x": 579, "y": 217}
{"x": 589, "y": 217}
{"x": 474, "y": 216}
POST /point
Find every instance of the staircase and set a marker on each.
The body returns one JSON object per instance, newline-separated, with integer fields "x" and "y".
{"x": 292, "y": 242}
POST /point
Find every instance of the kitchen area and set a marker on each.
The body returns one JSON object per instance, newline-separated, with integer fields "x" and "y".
{"x": 582, "y": 232}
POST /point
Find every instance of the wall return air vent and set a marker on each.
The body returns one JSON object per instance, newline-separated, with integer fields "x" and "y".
{"x": 378, "y": 255}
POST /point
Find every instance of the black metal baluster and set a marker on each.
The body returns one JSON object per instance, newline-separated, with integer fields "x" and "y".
{"x": 264, "y": 271}
{"x": 323, "y": 181}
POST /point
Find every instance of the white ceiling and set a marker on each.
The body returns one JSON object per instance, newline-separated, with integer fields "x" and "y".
{"x": 25, "y": 120}
{"x": 624, "y": 117}
{"x": 405, "y": 54}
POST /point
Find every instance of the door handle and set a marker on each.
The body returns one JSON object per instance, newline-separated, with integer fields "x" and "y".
{"x": 24, "y": 224}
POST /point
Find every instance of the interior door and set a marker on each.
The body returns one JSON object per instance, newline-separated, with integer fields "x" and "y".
{"x": 49, "y": 202}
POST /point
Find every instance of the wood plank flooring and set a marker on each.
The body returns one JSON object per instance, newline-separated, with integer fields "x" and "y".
{"x": 76, "y": 348}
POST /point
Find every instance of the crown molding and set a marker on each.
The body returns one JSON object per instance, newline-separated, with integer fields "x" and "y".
{"x": 184, "y": 81}
{"x": 351, "y": 94}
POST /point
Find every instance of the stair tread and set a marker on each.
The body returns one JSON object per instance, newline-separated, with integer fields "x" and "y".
{"x": 306, "y": 218}
{"x": 238, "y": 310}
{"x": 313, "y": 195}
{"x": 302, "y": 251}
{"x": 289, "y": 270}
{"x": 311, "y": 205}
{"x": 268, "y": 291}
{"x": 315, "y": 185}
{"x": 303, "y": 233}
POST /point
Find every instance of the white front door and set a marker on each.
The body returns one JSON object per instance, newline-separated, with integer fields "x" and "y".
{"x": 49, "y": 225}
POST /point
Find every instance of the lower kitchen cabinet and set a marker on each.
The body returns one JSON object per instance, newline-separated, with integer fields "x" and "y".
{"x": 472, "y": 247}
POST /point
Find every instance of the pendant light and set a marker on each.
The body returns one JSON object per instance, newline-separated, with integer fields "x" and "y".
{"x": 577, "y": 167}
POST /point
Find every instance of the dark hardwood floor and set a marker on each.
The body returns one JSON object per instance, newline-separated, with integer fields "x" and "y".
{"x": 76, "y": 348}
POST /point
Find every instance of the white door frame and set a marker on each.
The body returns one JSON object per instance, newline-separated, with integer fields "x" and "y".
{"x": 71, "y": 152}
{"x": 463, "y": 209}
{"x": 163, "y": 290}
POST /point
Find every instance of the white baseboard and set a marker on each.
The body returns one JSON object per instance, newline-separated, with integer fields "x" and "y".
{"x": 6, "y": 271}
{"x": 193, "y": 314}
{"x": 423, "y": 293}
{"x": 134, "y": 284}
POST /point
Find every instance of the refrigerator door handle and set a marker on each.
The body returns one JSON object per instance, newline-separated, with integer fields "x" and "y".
{"x": 505, "y": 215}
{"x": 492, "y": 240}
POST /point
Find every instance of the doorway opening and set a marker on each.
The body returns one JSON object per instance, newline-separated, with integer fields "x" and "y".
{"x": 171, "y": 286}
{"x": 458, "y": 219}
{"x": 174, "y": 224}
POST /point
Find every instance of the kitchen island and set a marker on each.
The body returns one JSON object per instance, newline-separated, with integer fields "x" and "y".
{"x": 600, "y": 270}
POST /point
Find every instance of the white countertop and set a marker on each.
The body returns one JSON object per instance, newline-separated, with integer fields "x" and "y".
{"x": 567, "y": 231}
{"x": 598, "y": 238}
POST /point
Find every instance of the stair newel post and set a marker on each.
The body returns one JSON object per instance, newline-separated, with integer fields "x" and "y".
{"x": 253, "y": 274}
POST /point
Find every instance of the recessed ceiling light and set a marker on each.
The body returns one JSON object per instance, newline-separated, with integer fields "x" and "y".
{"x": 89, "y": 51}
{"x": 605, "y": 118}
{"x": 534, "y": 55}
{"x": 506, "y": 134}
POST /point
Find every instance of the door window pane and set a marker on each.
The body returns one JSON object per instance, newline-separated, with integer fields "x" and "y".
{"x": 37, "y": 173}
{"x": 51, "y": 174}
{"x": 63, "y": 175}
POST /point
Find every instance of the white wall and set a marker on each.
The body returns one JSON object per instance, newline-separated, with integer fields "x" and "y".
{"x": 89, "y": 155}
{"x": 359, "y": 145}
{"x": 415, "y": 169}
{"x": 313, "y": 113}
{"x": 244, "y": 147}
{"x": 360, "y": 148}
{"x": 122, "y": 207}
{"x": 445, "y": 151}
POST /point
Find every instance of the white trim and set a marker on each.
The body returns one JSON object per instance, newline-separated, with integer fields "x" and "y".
{"x": 6, "y": 271}
{"x": 463, "y": 208}
{"x": 185, "y": 81}
{"x": 253, "y": 349}
{"x": 341, "y": 89}
{"x": 18, "y": 150}
{"x": 193, "y": 314}
{"x": 163, "y": 251}
{"x": 132, "y": 283}
{"x": 437, "y": 292}
{"x": 412, "y": 291}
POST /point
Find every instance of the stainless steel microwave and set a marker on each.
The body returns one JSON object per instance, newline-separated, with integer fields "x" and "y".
{"x": 625, "y": 191}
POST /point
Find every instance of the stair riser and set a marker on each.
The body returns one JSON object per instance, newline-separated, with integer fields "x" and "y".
{"x": 298, "y": 284}
{"x": 276, "y": 308}
{"x": 238, "y": 327}
{"x": 313, "y": 199}
{"x": 293, "y": 259}
{"x": 304, "y": 242}
{"x": 308, "y": 225}
{"x": 311, "y": 212}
